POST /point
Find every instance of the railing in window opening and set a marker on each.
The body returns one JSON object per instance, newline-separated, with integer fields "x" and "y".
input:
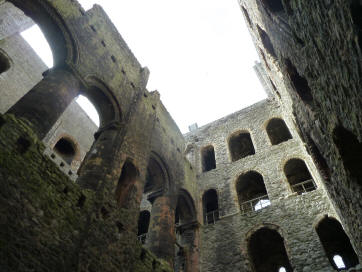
{"x": 304, "y": 187}
{"x": 211, "y": 217}
{"x": 255, "y": 204}
{"x": 142, "y": 238}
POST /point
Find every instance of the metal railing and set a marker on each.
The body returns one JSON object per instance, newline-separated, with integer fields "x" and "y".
{"x": 211, "y": 217}
{"x": 254, "y": 204}
{"x": 304, "y": 187}
{"x": 142, "y": 238}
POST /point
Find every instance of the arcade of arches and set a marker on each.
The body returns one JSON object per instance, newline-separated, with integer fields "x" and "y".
{"x": 273, "y": 187}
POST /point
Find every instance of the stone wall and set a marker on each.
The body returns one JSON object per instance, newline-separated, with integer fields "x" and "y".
{"x": 312, "y": 54}
{"x": 223, "y": 245}
{"x": 49, "y": 222}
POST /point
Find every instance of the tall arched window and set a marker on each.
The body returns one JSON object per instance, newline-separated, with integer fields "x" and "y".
{"x": 251, "y": 191}
{"x": 186, "y": 246}
{"x": 240, "y": 145}
{"x": 267, "y": 251}
{"x": 4, "y": 63}
{"x": 66, "y": 149}
{"x": 350, "y": 150}
{"x": 336, "y": 244}
{"x": 143, "y": 224}
{"x": 208, "y": 158}
{"x": 210, "y": 206}
{"x": 299, "y": 82}
{"x": 278, "y": 131}
{"x": 267, "y": 43}
{"x": 128, "y": 178}
{"x": 274, "y": 5}
{"x": 298, "y": 176}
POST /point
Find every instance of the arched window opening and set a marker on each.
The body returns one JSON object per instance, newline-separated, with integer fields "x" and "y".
{"x": 128, "y": 178}
{"x": 267, "y": 251}
{"x": 300, "y": 84}
{"x": 143, "y": 224}
{"x": 356, "y": 11}
{"x": 4, "y": 63}
{"x": 246, "y": 14}
{"x": 210, "y": 207}
{"x": 350, "y": 150}
{"x": 208, "y": 158}
{"x": 66, "y": 149}
{"x": 266, "y": 42}
{"x": 282, "y": 269}
{"x": 338, "y": 261}
{"x": 278, "y": 131}
{"x": 299, "y": 177}
{"x": 88, "y": 108}
{"x": 240, "y": 146}
{"x": 155, "y": 176}
{"x": 336, "y": 244}
{"x": 318, "y": 159}
{"x": 185, "y": 220}
{"x": 36, "y": 39}
{"x": 274, "y": 5}
{"x": 251, "y": 192}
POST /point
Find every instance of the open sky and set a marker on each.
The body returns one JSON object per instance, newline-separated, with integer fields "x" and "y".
{"x": 200, "y": 54}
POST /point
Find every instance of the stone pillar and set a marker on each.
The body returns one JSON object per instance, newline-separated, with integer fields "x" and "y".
{"x": 161, "y": 232}
{"x": 190, "y": 240}
{"x": 44, "y": 104}
{"x": 102, "y": 161}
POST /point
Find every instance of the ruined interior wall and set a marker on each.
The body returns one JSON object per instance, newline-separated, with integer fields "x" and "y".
{"x": 25, "y": 71}
{"x": 321, "y": 40}
{"x": 223, "y": 245}
{"x": 49, "y": 215}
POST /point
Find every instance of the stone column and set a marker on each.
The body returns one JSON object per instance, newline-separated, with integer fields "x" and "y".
{"x": 190, "y": 241}
{"x": 161, "y": 232}
{"x": 102, "y": 161}
{"x": 45, "y": 102}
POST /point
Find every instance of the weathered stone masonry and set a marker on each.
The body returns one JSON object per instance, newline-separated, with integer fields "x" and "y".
{"x": 259, "y": 190}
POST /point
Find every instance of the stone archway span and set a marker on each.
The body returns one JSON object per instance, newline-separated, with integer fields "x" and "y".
{"x": 51, "y": 17}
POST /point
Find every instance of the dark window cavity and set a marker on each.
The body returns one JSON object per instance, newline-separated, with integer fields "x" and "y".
{"x": 208, "y": 158}
{"x": 210, "y": 206}
{"x": 350, "y": 150}
{"x": 299, "y": 83}
{"x": 65, "y": 148}
{"x": 278, "y": 131}
{"x": 4, "y": 63}
{"x": 336, "y": 243}
{"x": 267, "y": 251}
{"x": 266, "y": 42}
{"x": 126, "y": 182}
{"x": 273, "y": 5}
{"x": 240, "y": 146}
{"x": 251, "y": 192}
{"x": 298, "y": 176}
{"x": 143, "y": 224}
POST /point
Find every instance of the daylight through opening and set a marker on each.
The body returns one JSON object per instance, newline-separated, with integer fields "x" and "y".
{"x": 336, "y": 242}
{"x": 252, "y": 194}
{"x": 267, "y": 251}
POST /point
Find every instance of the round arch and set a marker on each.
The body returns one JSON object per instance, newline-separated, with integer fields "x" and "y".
{"x": 54, "y": 28}
{"x": 103, "y": 100}
{"x": 157, "y": 176}
{"x": 267, "y": 249}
